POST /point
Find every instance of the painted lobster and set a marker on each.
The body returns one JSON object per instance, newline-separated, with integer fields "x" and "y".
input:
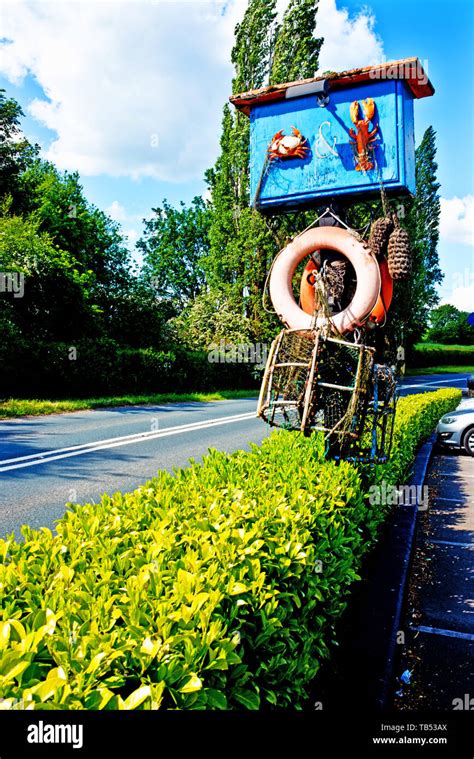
{"x": 363, "y": 138}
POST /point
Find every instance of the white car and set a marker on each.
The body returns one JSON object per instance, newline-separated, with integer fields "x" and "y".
{"x": 456, "y": 429}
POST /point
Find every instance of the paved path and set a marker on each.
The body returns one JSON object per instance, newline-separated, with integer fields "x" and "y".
{"x": 440, "y": 617}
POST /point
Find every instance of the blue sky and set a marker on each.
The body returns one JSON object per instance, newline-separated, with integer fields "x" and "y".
{"x": 131, "y": 95}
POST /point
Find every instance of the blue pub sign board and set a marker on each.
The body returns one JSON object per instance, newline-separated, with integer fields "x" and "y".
{"x": 355, "y": 129}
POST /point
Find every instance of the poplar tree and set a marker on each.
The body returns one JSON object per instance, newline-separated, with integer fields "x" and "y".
{"x": 242, "y": 242}
{"x": 297, "y": 50}
{"x": 414, "y": 298}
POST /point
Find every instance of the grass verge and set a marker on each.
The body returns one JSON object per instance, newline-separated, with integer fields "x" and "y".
{"x": 444, "y": 348}
{"x": 439, "y": 370}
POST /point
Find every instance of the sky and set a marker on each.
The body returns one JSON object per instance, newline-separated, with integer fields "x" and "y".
{"x": 130, "y": 94}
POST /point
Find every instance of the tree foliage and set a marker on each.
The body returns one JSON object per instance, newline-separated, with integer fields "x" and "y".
{"x": 414, "y": 299}
{"x": 449, "y": 325}
{"x": 15, "y": 150}
{"x": 175, "y": 246}
{"x": 58, "y": 203}
{"x": 242, "y": 242}
{"x": 296, "y": 52}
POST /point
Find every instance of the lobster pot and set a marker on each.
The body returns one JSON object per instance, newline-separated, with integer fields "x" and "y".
{"x": 282, "y": 401}
{"x": 315, "y": 383}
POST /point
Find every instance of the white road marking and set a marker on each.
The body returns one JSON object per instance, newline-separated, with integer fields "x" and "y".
{"x": 442, "y": 631}
{"x": 450, "y": 543}
{"x": 35, "y": 459}
{"x": 436, "y": 382}
{"x": 456, "y": 475}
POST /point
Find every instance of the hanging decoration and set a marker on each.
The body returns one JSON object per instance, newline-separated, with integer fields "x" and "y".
{"x": 363, "y": 138}
{"x": 399, "y": 253}
{"x": 288, "y": 146}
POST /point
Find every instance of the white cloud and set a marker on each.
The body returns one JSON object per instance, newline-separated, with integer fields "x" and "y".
{"x": 462, "y": 298}
{"x": 136, "y": 89}
{"x": 132, "y": 235}
{"x": 457, "y": 220}
{"x": 116, "y": 211}
{"x": 349, "y": 41}
{"x": 119, "y": 74}
{"x": 119, "y": 213}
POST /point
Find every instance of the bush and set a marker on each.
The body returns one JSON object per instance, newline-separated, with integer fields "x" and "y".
{"x": 216, "y": 587}
{"x": 102, "y": 367}
{"x": 433, "y": 354}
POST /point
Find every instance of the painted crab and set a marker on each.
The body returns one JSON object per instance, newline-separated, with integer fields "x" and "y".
{"x": 363, "y": 138}
{"x": 288, "y": 146}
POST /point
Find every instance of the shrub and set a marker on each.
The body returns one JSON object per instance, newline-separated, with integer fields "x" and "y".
{"x": 102, "y": 367}
{"x": 433, "y": 354}
{"x": 216, "y": 587}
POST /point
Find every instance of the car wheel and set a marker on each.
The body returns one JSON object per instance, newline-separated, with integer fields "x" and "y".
{"x": 468, "y": 441}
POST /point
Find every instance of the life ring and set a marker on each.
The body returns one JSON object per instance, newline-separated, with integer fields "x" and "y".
{"x": 320, "y": 238}
{"x": 307, "y": 287}
{"x": 378, "y": 313}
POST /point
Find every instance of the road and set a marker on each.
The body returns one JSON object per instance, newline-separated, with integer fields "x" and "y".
{"x": 47, "y": 461}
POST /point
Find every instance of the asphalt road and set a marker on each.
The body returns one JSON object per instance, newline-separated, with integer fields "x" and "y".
{"x": 47, "y": 461}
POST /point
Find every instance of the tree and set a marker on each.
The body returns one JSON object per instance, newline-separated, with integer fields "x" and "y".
{"x": 414, "y": 299}
{"x": 175, "y": 245}
{"x": 57, "y": 202}
{"x": 449, "y": 326}
{"x": 242, "y": 242}
{"x": 15, "y": 150}
{"x": 296, "y": 51}
{"x": 212, "y": 318}
{"x": 55, "y": 302}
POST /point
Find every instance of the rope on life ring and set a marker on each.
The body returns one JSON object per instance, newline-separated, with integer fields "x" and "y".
{"x": 378, "y": 313}
{"x": 320, "y": 238}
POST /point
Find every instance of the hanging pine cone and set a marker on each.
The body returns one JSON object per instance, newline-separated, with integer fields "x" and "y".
{"x": 379, "y": 234}
{"x": 399, "y": 253}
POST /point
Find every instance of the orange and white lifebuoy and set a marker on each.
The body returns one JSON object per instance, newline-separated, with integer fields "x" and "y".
{"x": 325, "y": 238}
{"x": 384, "y": 300}
{"x": 378, "y": 313}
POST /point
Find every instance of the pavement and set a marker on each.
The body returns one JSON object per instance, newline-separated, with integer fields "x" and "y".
{"x": 48, "y": 461}
{"x": 439, "y": 621}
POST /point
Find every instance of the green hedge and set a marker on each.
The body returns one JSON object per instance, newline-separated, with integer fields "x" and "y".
{"x": 216, "y": 587}
{"x": 102, "y": 367}
{"x": 433, "y": 354}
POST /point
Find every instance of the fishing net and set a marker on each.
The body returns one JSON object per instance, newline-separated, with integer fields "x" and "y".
{"x": 316, "y": 381}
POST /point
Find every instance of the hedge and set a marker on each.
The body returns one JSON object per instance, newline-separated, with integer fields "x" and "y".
{"x": 214, "y": 587}
{"x": 102, "y": 367}
{"x": 433, "y": 354}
